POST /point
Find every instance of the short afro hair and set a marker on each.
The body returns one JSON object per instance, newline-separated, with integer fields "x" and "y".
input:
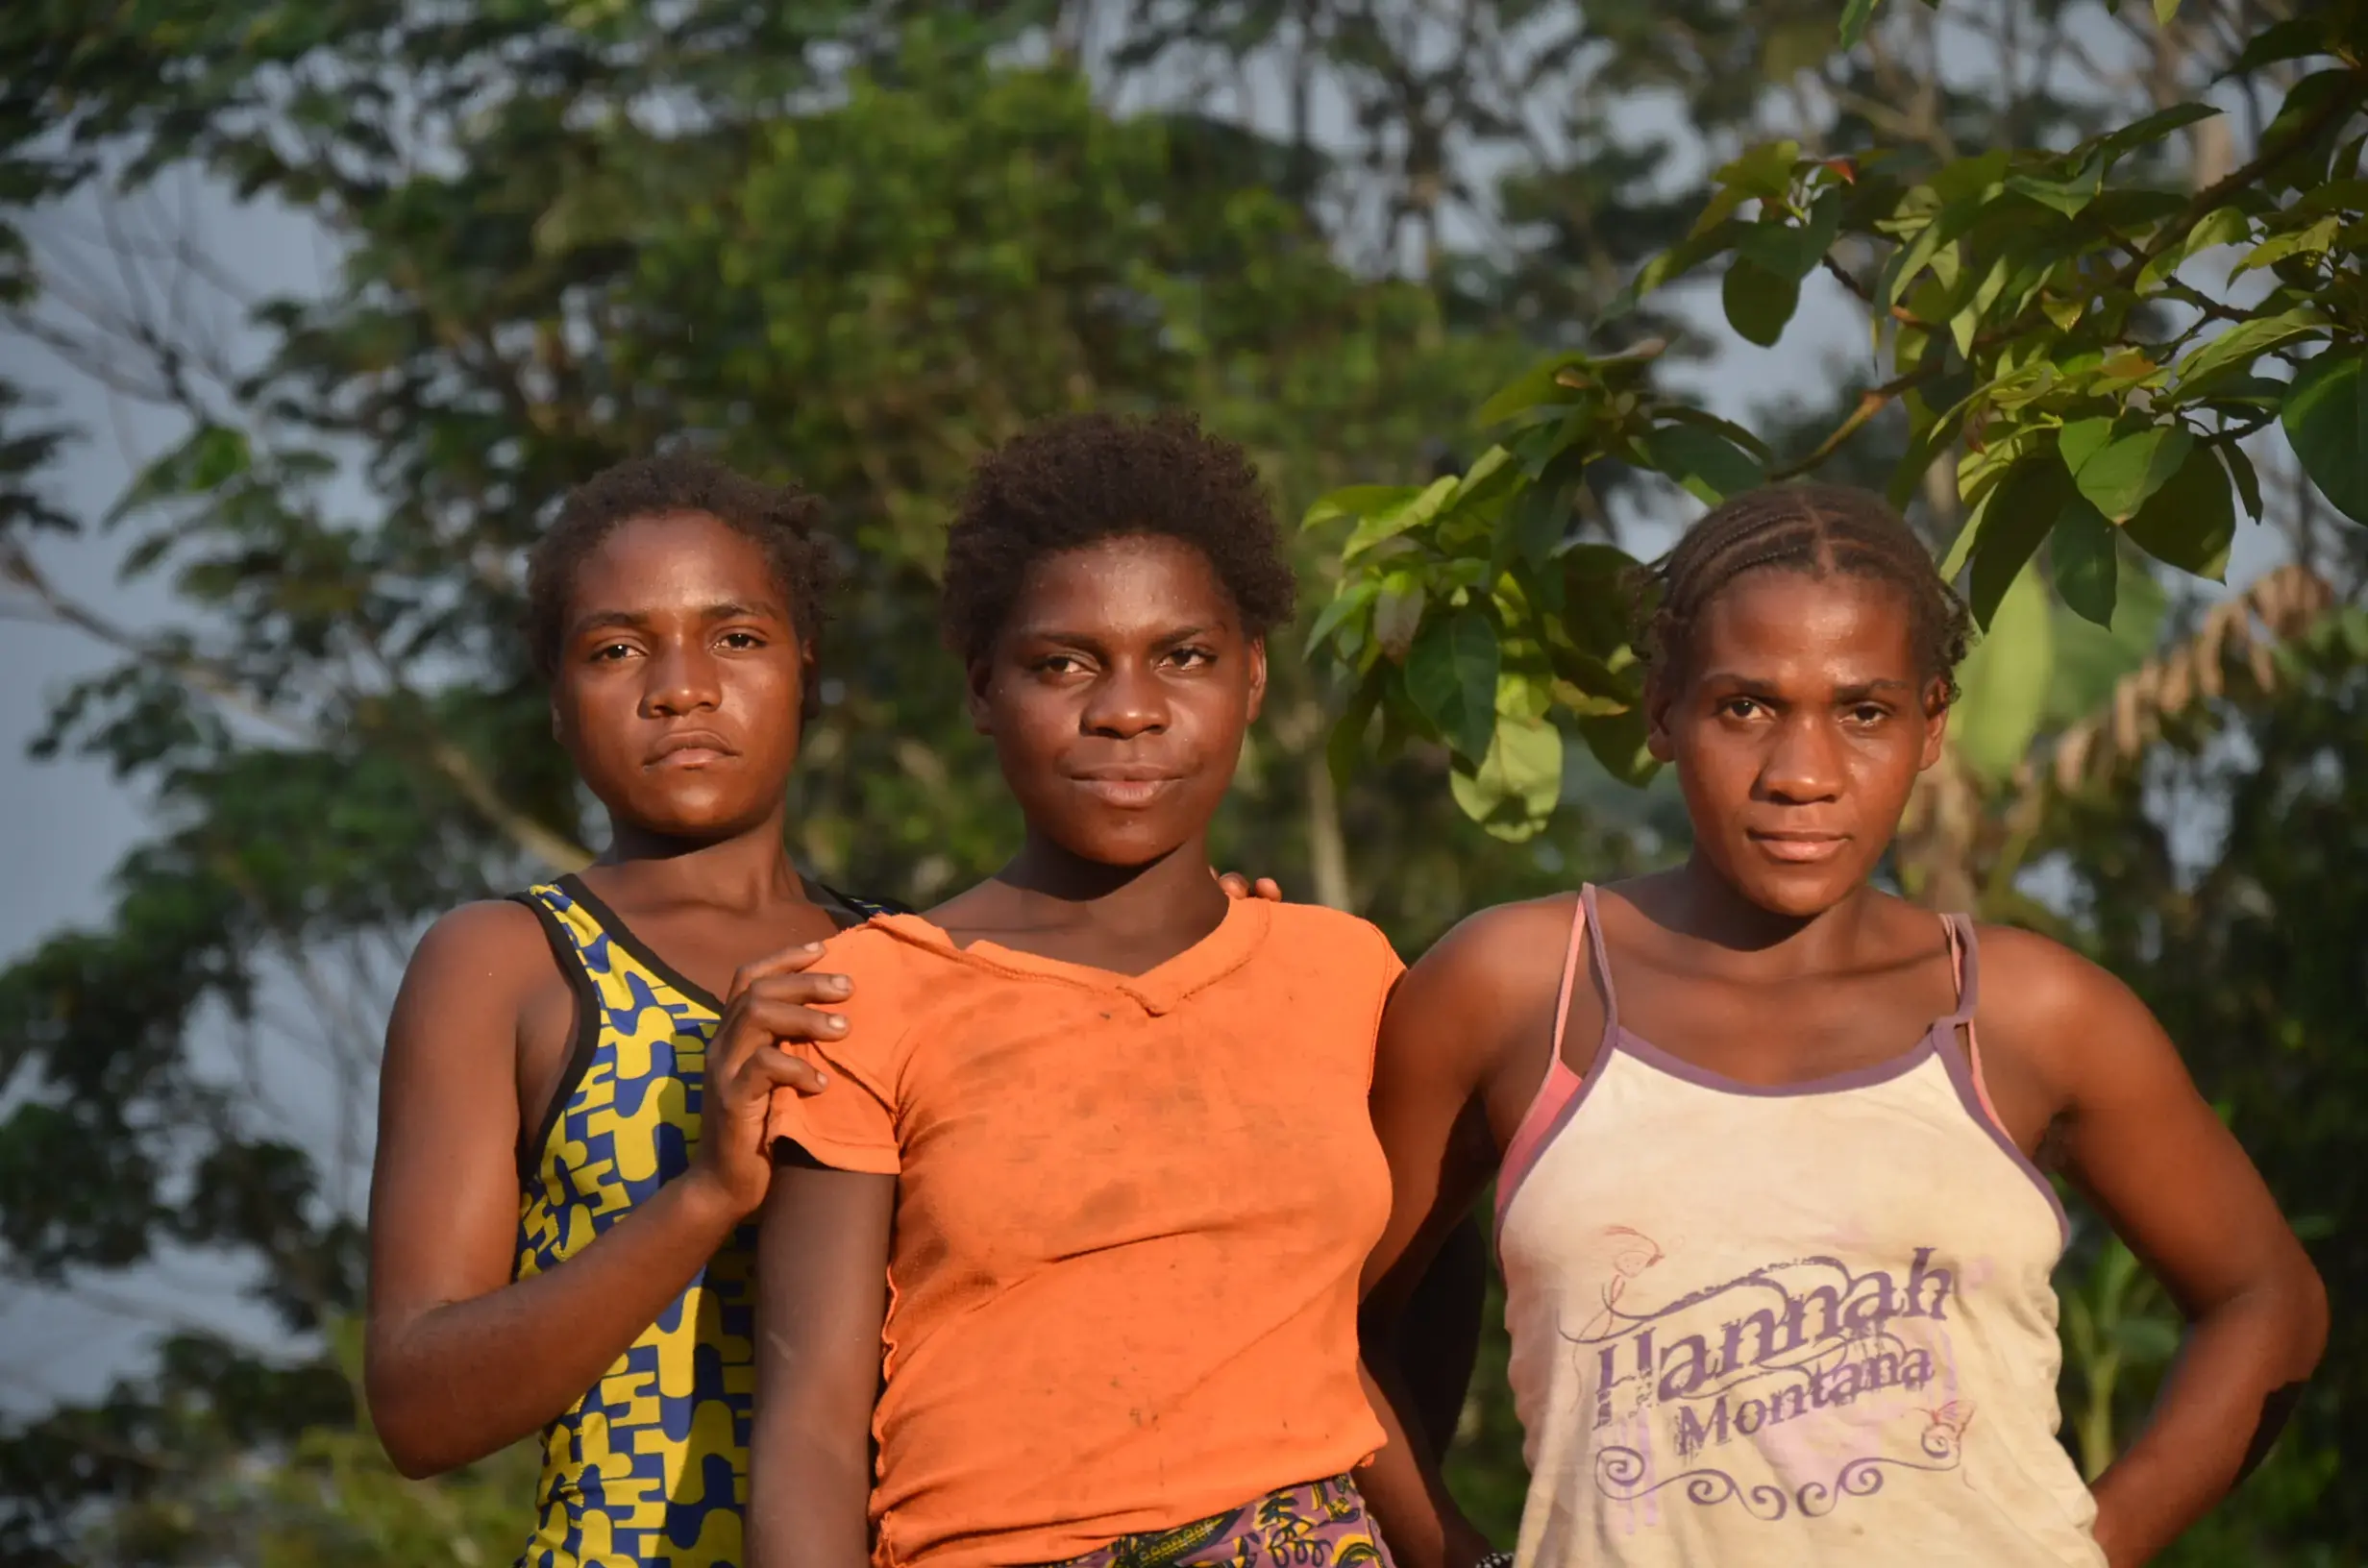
{"x": 1077, "y": 480}
{"x": 782, "y": 521}
{"x": 1818, "y": 529}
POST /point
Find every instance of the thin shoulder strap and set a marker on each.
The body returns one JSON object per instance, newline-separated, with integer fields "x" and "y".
{"x": 1572, "y": 947}
{"x": 1603, "y": 959}
{"x": 1557, "y": 1090}
{"x": 1966, "y": 964}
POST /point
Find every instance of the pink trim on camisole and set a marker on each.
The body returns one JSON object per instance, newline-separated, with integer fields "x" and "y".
{"x": 1959, "y": 944}
{"x": 1538, "y": 1122}
{"x": 1557, "y": 1096}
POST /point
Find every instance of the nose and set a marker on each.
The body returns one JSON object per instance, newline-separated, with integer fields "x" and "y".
{"x": 1125, "y": 702}
{"x": 1804, "y": 764}
{"x": 681, "y": 679}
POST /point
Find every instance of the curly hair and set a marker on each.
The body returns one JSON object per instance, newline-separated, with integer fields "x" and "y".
{"x": 780, "y": 520}
{"x": 1822, "y": 529}
{"x": 1075, "y": 480}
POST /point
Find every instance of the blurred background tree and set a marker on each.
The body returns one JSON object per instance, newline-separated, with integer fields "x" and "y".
{"x": 859, "y": 243}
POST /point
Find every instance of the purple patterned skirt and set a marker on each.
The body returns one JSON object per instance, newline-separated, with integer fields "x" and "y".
{"x": 1320, "y": 1524}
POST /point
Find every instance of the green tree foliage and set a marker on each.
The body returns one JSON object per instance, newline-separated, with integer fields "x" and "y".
{"x": 859, "y": 244}
{"x": 2055, "y": 361}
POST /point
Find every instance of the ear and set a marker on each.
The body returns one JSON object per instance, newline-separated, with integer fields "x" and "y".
{"x": 809, "y": 683}
{"x": 1659, "y": 699}
{"x": 1257, "y": 678}
{"x": 1935, "y": 724}
{"x": 978, "y": 674}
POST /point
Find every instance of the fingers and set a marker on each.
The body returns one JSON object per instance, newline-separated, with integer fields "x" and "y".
{"x": 767, "y": 1071}
{"x": 788, "y": 961}
{"x": 761, "y": 1018}
{"x": 1238, "y": 885}
{"x": 806, "y": 990}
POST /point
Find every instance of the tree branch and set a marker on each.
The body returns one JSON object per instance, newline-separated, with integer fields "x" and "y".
{"x": 210, "y": 681}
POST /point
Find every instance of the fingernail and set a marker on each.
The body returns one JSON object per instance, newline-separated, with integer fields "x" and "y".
{"x": 838, "y": 1026}
{"x": 821, "y": 1080}
{"x": 838, "y": 985}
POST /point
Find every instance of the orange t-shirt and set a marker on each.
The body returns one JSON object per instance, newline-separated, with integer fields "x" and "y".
{"x": 1130, "y": 1214}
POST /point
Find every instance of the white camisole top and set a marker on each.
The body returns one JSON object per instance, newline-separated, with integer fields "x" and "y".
{"x": 1807, "y": 1325}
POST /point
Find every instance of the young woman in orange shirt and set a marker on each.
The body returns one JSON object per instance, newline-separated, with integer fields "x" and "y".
{"x": 1094, "y": 1163}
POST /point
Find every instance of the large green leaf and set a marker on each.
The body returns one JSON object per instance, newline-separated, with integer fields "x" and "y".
{"x": 1516, "y": 787}
{"x": 1855, "y": 16}
{"x": 2118, "y": 465}
{"x": 2238, "y": 347}
{"x": 1540, "y": 385}
{"x": 1351, "y": 600}
{"x": 2005, "y": 680}
{"x": 2296, "y": 39}
{"x": 2115, "y": 144}
{"x": 2326, "y": 418}
{"x": 1619, "y": 742}
{"x": 2191, "y": 521}
{"x": 2014, "y": 518}
{"x": 2083, "y": 550}
{"x": 1391, "y": 518}
{"x": 1711, "y": 467}
{"x": 1596, "y": 598}
{"x": 1452, "y": 676}
{"x": 1537, "y": 518}
{"x": 1758, "y": 302}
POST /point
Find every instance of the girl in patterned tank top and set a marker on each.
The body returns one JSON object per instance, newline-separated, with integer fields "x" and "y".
{"x": 1770, "y": 1143}
{"x": 570, "y": 1124}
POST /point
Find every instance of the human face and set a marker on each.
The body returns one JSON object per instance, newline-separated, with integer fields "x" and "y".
{"x": 680, "y": 678}
{"x": 1116, "y": 695}
{"x": 1797, "y": 729}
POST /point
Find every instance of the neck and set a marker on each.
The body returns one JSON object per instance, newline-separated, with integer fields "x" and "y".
{"x": 744, "y": 869}
{"x": 1061, "y": 887}
{"x": 1703, "y": 904}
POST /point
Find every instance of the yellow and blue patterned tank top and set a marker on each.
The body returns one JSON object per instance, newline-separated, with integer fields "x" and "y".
{"x": 651, "y": 1467}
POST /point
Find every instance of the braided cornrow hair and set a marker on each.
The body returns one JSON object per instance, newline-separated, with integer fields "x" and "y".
{"x": 1821, "y": 530}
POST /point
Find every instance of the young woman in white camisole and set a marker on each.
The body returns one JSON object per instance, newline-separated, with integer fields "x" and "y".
{"x": 1768, "y": 1142}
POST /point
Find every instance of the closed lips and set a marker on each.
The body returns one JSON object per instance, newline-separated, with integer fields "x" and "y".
{"x": 1127, "y": 786}
{"x": 1800, "y": 846}
{"x": 705, "y": 743}
{"x": 1126, "y": 774}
